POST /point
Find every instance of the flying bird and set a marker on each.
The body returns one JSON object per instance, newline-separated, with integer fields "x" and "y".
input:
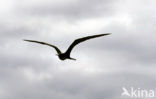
{"x": 66, "y": 55}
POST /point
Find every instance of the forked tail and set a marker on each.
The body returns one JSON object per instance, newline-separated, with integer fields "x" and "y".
{"x": 72, "y": 59}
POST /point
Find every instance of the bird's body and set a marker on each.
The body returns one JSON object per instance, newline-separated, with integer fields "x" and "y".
{"x": 66, "y": 55}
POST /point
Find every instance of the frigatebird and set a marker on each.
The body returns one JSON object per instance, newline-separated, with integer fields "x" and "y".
{"x": 66, "y": 55}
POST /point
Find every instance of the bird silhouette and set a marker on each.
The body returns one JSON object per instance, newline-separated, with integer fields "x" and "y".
{"x": 66, "y": 55}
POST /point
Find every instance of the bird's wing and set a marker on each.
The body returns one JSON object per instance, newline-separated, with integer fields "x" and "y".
{"x": 77, "y": 41}
{"x": 58, "y": 51}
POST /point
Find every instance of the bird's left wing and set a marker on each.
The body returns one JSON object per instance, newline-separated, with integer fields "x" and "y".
{"x": 58, "y": 51}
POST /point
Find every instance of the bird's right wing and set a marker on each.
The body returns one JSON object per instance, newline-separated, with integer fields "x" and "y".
{"x": 77, "y": 41}
{"x": 58, "y": 51}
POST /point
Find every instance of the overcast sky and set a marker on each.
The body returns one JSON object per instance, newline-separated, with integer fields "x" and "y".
{"x": 126, "y": 58}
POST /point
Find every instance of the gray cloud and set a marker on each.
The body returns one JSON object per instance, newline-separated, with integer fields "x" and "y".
{"x": 104, "y": 65}
{"x": 72, "y": 9}
{"x": 76, "y": 86}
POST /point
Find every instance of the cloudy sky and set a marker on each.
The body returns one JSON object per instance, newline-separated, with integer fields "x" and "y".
{"x": 104, "y": 65}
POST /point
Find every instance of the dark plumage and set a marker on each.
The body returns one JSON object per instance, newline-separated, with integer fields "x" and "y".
{"x": 66, "y": 55}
